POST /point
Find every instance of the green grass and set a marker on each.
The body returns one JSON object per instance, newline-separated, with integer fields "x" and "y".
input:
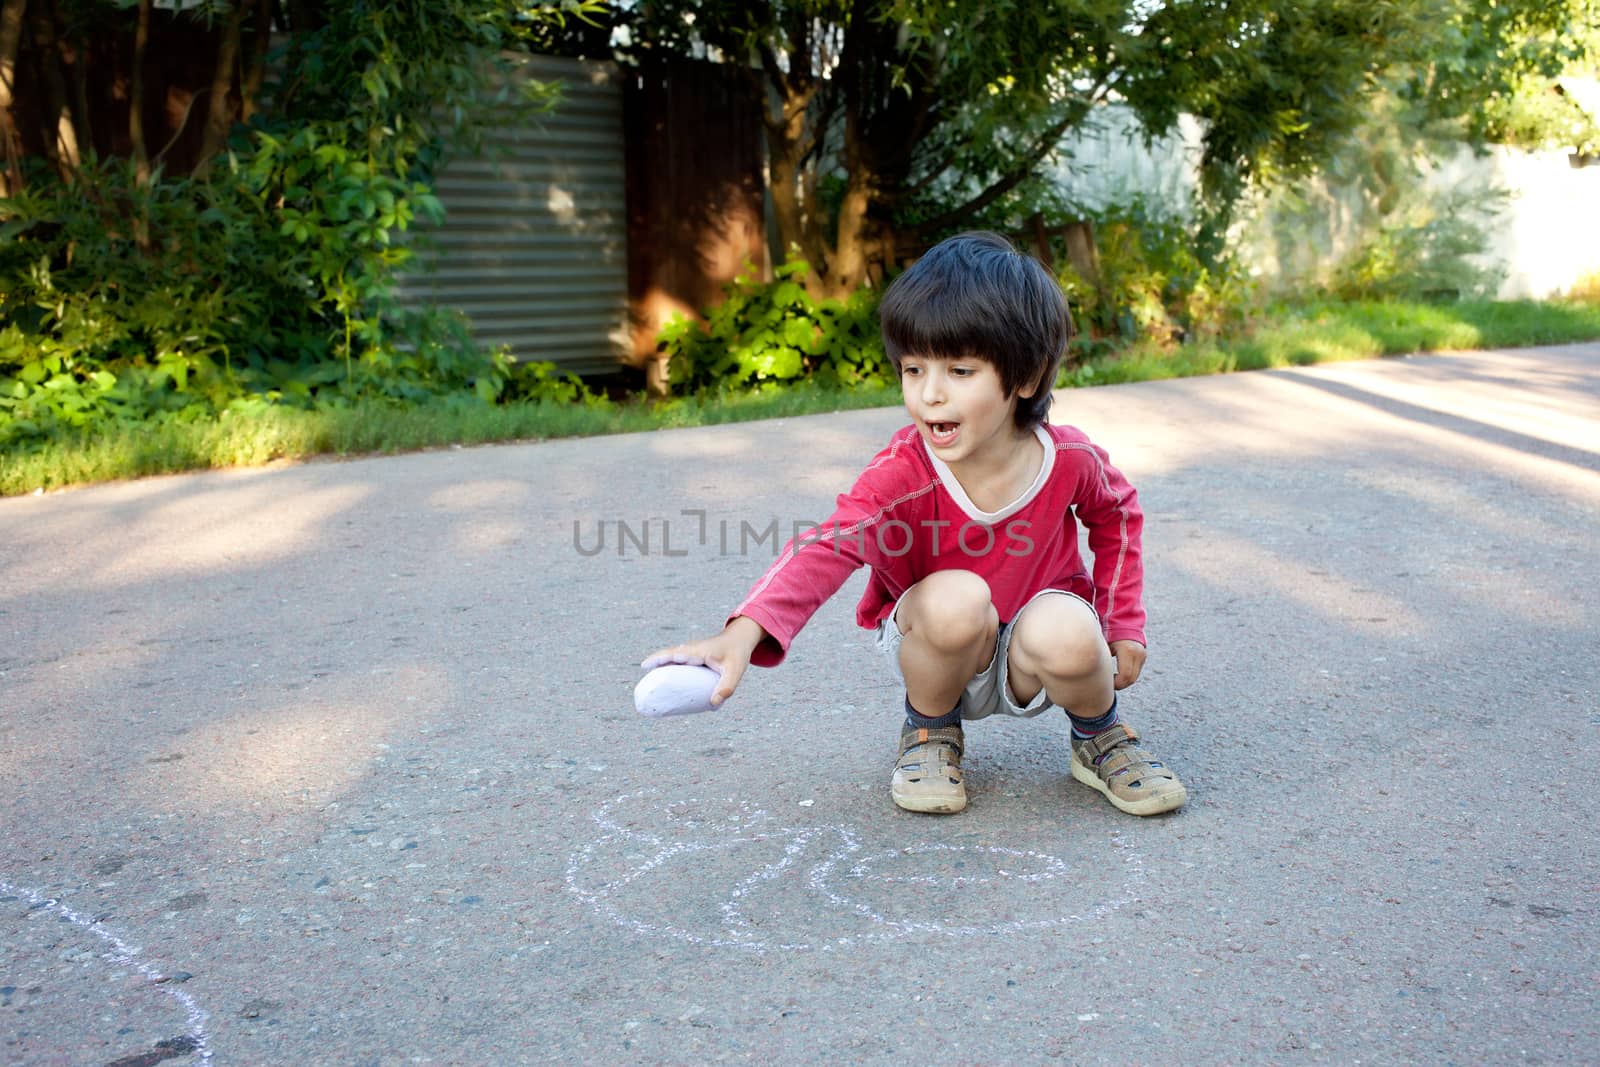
{"x": 170, "y": 445}
{"x": 1331, "y": 332}
{"x": 1291, "y": 336}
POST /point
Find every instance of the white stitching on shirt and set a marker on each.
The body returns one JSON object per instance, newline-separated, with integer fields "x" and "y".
{"x": 783, "y": 560}
{"x": 900, "y": 438}
{"x": 1122, "y": 550}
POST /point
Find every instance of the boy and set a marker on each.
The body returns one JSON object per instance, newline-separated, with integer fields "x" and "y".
{"x": 968, "y": 520}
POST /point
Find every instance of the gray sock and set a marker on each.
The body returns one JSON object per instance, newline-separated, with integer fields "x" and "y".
{"x": 920, "y": 721}
{"x": 1083, "y": 729}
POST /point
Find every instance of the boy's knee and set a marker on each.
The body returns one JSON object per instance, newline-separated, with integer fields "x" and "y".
{"x": 953, "y": 610}
{"x": 1059, "y": 638}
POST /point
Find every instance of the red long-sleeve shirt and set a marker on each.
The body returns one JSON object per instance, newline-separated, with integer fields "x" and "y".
{"x": 907, "y": 517}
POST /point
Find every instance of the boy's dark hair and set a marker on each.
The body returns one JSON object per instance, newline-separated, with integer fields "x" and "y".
{"x": 975, "y": 295}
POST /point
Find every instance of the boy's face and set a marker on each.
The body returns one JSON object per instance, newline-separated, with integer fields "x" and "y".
{"x": 960, "y": 407}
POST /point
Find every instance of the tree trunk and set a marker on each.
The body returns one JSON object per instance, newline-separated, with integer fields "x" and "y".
{"x": 141, "y": 43}
{"x": 793, "y": 210}
{"x": 255, "y": 74}
{"x": 219, "y": 110}
{"x": 1083, "y": 252}
{"x": 789, "y": 207}
{"x": 847, "y": 268}
{"x": 885, "y": 119}
{"x": 80, "y": 94}
{"x": 11, "y": 16}
{"x": 1041, "y": 241}
{"x": 61, "y": 135}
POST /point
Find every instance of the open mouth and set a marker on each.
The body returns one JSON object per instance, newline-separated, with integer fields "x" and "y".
{"x": 943, "y": 433}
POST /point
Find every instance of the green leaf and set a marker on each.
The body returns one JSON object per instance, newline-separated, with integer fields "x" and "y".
{"x": 799, "y": 333}
{"x": 789, "y": 293}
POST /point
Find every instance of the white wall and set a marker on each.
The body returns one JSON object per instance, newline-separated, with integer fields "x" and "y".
{"x": 1546, "y": 240}
{"x": 1549, "y": 236}
{"x": 1110, "y": 163}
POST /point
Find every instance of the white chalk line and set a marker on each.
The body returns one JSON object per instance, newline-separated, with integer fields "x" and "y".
{"x": 124, "y": 955}
{"x": 740, "y": 933}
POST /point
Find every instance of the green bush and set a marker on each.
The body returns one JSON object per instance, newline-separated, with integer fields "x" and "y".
{"x": 1387, "y": 218}
{"x": 271, "y": 281}
{"x": 270, "y": 277}
{"x": 1586, "y": 290}
{"x": 119, "y": 299}
{"x": 540, "y": 383}
{"x": 1153, "y": 283}
{"x": 768, "y": 332}
{"x": 1424, "y": 251}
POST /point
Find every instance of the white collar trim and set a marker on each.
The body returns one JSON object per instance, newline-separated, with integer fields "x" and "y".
{"x": 991, "y": 518}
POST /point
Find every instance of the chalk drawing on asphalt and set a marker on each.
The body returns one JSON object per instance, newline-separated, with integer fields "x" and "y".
{"x": 823, "y": 888}
{"x": 119, "y": 953}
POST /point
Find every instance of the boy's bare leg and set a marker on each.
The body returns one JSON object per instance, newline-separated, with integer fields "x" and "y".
{"x": 1056, "y": 645}
{"x": 948, "y": 629}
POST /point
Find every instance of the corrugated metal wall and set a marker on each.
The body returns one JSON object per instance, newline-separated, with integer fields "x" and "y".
{"x": 534, "y": 246}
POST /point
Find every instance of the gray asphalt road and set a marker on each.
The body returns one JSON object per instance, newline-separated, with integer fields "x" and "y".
{"x": 337, "y": 763}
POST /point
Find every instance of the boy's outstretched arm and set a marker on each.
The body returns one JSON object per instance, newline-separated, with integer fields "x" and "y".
{"x": 728, "y": 652}
{"x": 1130, "y": 662}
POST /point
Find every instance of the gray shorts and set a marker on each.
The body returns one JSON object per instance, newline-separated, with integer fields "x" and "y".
{"x": 989, "y": 693}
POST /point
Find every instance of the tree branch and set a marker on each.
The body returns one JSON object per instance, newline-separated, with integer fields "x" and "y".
{"x": 219, "y": 116}
{"x": 935, "y": 171}
{"x": 188, "y": 109}
{"x": 769, "y": 63}
{"x": 11, "y": 16}
{"x": 80, "y": 93}
{"x": 256, "y": 72}
{"x": 61, "y": 137}
{"x": 141, "y": 43}
{"x": 1024, "y": 168}
{"x": 826, "y": 103}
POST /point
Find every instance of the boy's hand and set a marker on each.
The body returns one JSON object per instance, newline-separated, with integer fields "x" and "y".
{"x": 1130, "y": 661}
{"x": 728, "y": 652}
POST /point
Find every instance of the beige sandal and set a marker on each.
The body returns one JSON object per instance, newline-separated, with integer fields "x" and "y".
{"x": 1130, "y": 777}
{"x": 927, "y": 776}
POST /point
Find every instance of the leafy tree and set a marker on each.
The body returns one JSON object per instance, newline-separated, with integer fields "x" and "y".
{"x": 1404, "y": 228}
{"x": 398, "y": 73}
{"x": 889, "y": 122}
{"x": 1492, "y": 70}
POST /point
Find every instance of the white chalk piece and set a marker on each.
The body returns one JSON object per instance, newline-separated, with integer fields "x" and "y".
{"x": 676, "y": 689}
